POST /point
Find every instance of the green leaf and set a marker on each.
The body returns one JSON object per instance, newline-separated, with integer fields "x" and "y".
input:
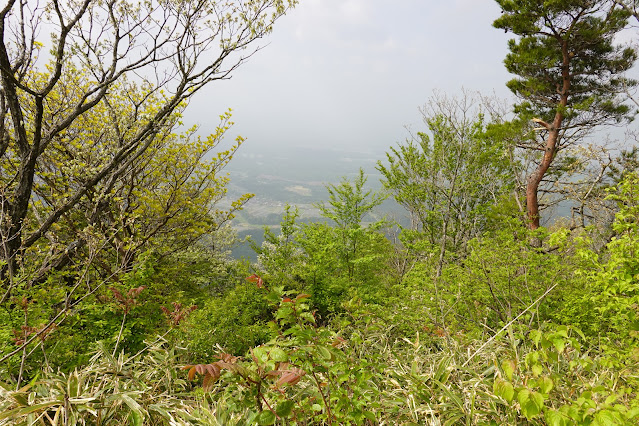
{"x": 158, "y": 408}
{"x": 607, "y": 417}
{"x": 261, "y": 354}
{"x": 545, "y": 385}
{"x": 308, "y": 317}
{"x": 451, "y": 395}
{"x": 509, "y": 366}
{"x": 324, "y": 352}
{"x": 20, "y": 398}
{"x": 278, "y": 355}
{"x": 555, "y": 418}
{"x": 579, "y": 332}
{"x": 73, "y": 386}
{"x": 370, "y": 416}
{"x": 453, "y": 419}
{"x": 284, "y": 408}
{"x": 632, "y": 413}
{"x": 535, "y": 335}
{"x": 611, "y": 398}
{"x": 442, "y": 373}
{"x": 136, "y": 419}
{"x": 531, "y": 403}
{"x": 504, "y": 389}
{"x": 26, "y": 410}
{"x": 266, "y": 417}
{"x": 559, "y": 344}
{"x": 537, "y": 369}
{"x": 136, "y": 409}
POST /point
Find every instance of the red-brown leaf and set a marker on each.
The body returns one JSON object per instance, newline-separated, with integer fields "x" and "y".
{"x": 228, "y": 358}
{"x": 257, "y": 280}
{"x": 338, "y": 341}
{"x": 213, "y": 370}
{"x": 208, "y": 382}
{"x": 290, "y": 377}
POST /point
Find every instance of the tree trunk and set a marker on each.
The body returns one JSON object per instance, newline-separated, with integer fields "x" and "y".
{"x": 552, "y": 143}
{"x": 532, "y": 187}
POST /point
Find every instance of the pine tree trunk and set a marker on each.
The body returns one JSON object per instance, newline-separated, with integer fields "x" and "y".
{"x": 551, "y": 146}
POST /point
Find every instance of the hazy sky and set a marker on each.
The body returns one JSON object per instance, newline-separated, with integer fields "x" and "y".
{"x": 352, "y": 73}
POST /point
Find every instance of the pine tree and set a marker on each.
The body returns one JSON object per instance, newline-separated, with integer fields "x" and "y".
{"x": 569, "y": 73}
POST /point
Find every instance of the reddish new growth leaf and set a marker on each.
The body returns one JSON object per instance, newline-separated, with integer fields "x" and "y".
{"x": 128, "y": 300}
{"x": 257, "y": 280}
{"x": 288, "y": 375}
{"x": 338, "y": 342}
{"x": 435, "y": 331}
{"x": 212, "y": 371}
{"x": 22, "y": 335}
{"x": 297, "y": 299}
{"x": 439, "y": 332}
{"x": 178, "y": 314}
{"x": 23, "y": 302}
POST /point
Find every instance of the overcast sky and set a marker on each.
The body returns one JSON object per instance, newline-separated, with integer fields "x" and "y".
{"x": 352, "y": 73}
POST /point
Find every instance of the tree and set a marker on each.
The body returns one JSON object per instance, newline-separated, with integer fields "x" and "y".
{"x": 90, "y": 163}
{"x": 448, "y": 179}
{"x": 348, "y": 204}
{"x": 570, "y": 74}
{"x": 171, "y": 50}
{"x": 630, "y": 6}
{"x": 279, "y": 257}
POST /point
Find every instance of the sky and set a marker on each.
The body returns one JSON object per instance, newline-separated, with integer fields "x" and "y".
{"x": 352, "y": 74}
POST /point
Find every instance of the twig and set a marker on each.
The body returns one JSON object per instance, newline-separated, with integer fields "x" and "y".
{"x": 326, "y": 403}
{"x": 509, "y": 324}
{"x": 119, "y": 335}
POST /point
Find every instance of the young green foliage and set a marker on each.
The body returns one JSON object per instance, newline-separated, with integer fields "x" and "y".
{"x": 348, "y": 205}
{"x": 449, "y": 178}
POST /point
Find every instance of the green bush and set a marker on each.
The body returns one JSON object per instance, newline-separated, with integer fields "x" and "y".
{"x": 235, "y": 322}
